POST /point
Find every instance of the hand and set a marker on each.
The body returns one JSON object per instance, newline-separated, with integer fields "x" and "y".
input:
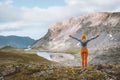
{"x": 70, "y": 35}
{"x": 98, "y": 35}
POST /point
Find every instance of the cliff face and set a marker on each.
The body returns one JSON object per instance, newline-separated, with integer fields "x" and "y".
{"x": 105, "y": 24}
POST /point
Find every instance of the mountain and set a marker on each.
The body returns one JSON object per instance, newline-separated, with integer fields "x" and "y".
{"x": 105, "y": 49}
{"x": 16, "y": 41}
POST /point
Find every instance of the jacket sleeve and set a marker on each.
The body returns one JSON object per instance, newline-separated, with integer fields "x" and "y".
{"x": 92, "y": 38}
{"x": 76, "y": 39}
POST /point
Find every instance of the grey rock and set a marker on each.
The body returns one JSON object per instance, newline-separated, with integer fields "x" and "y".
{"x": 105, "y": 49}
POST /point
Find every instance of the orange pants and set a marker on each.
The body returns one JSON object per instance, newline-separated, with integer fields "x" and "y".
{"x": 84, "y": 55}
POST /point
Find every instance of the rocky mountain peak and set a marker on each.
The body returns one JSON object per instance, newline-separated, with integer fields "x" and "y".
{"x": 106, "y": 24}
{"x": 91, "y": 24}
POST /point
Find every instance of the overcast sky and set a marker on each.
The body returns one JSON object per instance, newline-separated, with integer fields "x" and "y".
{"x": 33, "y": 17}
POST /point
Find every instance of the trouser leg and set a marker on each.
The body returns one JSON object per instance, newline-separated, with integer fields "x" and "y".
{"x": 83, "y": 59}
{"x": 86, "y": 56}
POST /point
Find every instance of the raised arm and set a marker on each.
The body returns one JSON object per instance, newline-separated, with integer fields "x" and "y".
{"x": 75, "y": 38}
{"x": 92, "y": 38}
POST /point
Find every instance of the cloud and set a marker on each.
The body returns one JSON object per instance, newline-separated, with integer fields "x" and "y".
{"x": 95, "y": 5}
{"x": 9, "y": 13}
{"x": 9, "y": 2}
{"x": 10, "y": 26}
{"x": 35, "y": 21}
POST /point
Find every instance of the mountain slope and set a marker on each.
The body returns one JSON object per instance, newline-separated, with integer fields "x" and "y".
{"x": 16, "y": 41}
{"x": 106, "y": 24}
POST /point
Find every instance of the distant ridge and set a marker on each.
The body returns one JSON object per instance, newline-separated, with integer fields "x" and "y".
{"x": 16, "y": 41}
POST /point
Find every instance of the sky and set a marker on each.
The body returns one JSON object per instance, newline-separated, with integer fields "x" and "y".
{"x": 33, "y": 17}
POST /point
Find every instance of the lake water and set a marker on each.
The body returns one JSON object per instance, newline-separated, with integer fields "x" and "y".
{"x": 44, "y": 55}
{"x": 57, "y": 57}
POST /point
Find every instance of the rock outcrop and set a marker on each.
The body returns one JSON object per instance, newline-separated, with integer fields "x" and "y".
{"x": 106, "y": 47}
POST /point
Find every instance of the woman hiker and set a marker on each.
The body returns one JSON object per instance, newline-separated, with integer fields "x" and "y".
{"x": 84, "y": 49}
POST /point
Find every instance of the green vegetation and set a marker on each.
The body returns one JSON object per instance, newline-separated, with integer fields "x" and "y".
{"x": 71, "y": 50}
{"x": 14, "y": 56}
{"x": 17, "y": 64}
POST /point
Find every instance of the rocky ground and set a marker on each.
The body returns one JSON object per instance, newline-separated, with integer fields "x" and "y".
{"x": 26, "y": 65}
{"x": 58, "y": 72}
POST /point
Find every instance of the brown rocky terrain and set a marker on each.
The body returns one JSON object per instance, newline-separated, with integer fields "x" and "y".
{"x": 56, "y": 72}
{"x": 18, "y": 64}
{"x": 105, "y": 49}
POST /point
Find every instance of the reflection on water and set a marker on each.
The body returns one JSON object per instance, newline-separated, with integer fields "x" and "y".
{"x": 45, "y": 55}
{"x": 57, "y": 57}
